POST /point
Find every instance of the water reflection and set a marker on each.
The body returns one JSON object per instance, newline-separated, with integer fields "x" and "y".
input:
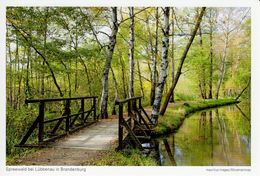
{"x": 169, "y": 152}
{"x": 216, "y": 137}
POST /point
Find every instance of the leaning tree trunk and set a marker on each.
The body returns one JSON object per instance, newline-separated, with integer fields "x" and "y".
{"x": 131, "y": 52}
{"x": 248, "y": 84}
{"x": 164, "y": 65}
{"x": 185, "y": 52}
{"x": 112, "y": 43}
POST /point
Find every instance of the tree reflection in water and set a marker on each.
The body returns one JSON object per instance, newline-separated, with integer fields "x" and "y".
{"x": 215, "y": 137}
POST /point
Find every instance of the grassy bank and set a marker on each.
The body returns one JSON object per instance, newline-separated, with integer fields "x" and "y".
{"x": 128, "y": 157}
{"x": 174, "y": 116}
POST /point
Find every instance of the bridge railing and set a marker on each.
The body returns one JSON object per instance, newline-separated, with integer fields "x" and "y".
{"x": 135, "y": 120}
{"x": 62, "y": 125}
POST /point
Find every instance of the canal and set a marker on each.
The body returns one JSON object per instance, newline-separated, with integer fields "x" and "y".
{"x": 216, "y": 137}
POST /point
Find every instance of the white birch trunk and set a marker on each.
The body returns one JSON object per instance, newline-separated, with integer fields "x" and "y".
{"x": 131, "y": 52}
{"x": 154, "y": 60}
{"x": 164, "y": 65}
{"x": 112, "y": 43}
{"x": 183, "y": 57}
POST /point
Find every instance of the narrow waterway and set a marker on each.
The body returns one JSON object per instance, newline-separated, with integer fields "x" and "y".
{"x": 216, "y": 137}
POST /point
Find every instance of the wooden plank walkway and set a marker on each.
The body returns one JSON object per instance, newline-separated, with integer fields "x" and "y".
{"x": 102, "y": 136}
{"x": 80, "y": 148}
{"x": 99, "y": 136}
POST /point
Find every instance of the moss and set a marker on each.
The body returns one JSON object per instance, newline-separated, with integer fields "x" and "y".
{"x": 128, "y": 157}
{"x": 174, "y": 117}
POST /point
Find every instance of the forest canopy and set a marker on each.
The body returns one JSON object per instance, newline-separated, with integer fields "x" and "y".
{"x": 119, "y": 52}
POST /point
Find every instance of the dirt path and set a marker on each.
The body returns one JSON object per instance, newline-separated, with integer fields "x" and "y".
{"x": 60, "y": 157}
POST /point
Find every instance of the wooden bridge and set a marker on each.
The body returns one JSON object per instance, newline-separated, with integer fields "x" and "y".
{"x": 136, "y": 126}
{"x": 131, "y": 128}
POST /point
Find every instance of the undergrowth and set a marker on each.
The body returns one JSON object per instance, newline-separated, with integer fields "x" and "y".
{"x": 127, "y": 157}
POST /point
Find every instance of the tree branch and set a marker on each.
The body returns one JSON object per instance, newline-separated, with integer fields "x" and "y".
{"x": 133, "y": 15}
{"x": 38, "y": 52}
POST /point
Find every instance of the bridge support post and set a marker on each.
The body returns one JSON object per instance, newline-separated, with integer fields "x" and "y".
{"x": 67, "y": 112}
{"x": 120, "y": 127}
{"x": 94, "y": 107}
{"x": 128, "y": 130}
{"x": 139, "y": 108}
{"x": 41, "y": 124}
{"x": 82, "y": 110}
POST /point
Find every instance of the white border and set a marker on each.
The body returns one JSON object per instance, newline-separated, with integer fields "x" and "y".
{"x": 133, "y": 171}
{"x": 186, "y": 3}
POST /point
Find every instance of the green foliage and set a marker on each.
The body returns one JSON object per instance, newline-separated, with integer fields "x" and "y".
{"x": 183, "y": 97}
{"x": 17, "y": 123}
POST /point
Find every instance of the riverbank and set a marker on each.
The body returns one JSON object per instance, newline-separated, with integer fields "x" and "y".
{"x": 174, "y": 116}
{"x": 170, "y": 122}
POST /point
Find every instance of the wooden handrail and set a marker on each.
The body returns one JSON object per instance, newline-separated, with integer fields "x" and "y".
{"x": 67, "y": 118}
{"x": 57, "y": 99}
{"x": 128, "y": 99}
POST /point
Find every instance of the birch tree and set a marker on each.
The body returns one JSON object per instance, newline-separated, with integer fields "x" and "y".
{"x": 154, "y": 59}
{"x": 183, "y": 57}
{"x": 226, "y": 27}
{"x": 164, "y": 65}
{"x": 112, "y": 43}
{"x": 131, "y": 52}
{"x": 230, "y": 27}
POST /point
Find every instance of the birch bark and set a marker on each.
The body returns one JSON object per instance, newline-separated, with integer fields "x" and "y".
{"x": 112, "y": 43}
{"x": 164, "y": 65}
{"x": 185, "y": 52}
{"x": 154, "y": 60}
{"x": 131, "y": 52}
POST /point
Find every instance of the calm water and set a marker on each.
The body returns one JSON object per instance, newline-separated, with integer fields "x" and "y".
{"x": 215, "y": 137}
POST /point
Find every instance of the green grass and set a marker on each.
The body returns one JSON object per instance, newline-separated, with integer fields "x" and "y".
{"x": 128, "y": 157}
{"x": 174, "y": 117}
